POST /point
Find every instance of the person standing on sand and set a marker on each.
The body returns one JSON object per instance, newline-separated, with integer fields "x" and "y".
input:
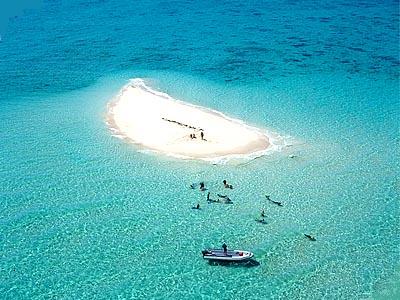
{"x": 202, "y": 135}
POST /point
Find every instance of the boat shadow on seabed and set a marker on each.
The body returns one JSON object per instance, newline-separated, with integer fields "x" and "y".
{"x": 235, "y": 264}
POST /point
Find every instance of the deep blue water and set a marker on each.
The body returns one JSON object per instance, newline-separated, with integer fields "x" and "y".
{"x": 84, "y": 215}
{"x": 227, "y": 41}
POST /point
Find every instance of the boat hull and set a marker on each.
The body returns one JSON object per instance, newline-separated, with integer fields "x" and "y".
{"x": 230, "y": 255}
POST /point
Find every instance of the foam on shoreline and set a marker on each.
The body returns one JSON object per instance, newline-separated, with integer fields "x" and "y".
{"x": 157, "y": 122}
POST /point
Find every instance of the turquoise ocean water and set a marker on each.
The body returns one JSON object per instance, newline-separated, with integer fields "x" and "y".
{"x": 85, "y": 215}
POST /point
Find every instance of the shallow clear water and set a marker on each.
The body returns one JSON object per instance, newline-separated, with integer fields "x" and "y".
{"x": 85, "y": 215}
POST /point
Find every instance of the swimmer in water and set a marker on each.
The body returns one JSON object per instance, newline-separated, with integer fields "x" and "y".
{"x": 311, "y": 238}
{"x": 226, "y": 185}
{"x": 262, "y": 221}
{"x": 275, "y": 202}
{"x": 228, "y": 200}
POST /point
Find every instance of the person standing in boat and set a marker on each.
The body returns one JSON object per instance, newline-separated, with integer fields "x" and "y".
{"x": 225, "y": 247}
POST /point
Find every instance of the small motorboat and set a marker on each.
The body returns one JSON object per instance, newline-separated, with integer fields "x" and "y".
{"x": 229, "y": 255}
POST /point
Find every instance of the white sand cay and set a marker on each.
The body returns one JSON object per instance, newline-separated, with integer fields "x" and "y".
{"x": 158, "y": 122}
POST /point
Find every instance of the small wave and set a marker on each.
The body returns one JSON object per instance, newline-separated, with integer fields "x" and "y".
{"x": 120, "y": 136}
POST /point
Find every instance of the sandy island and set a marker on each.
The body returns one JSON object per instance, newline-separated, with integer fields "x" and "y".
{"x": 158, "y": 122}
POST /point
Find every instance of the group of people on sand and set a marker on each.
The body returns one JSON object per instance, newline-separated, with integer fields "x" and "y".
{"x": 193, "y": 136}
